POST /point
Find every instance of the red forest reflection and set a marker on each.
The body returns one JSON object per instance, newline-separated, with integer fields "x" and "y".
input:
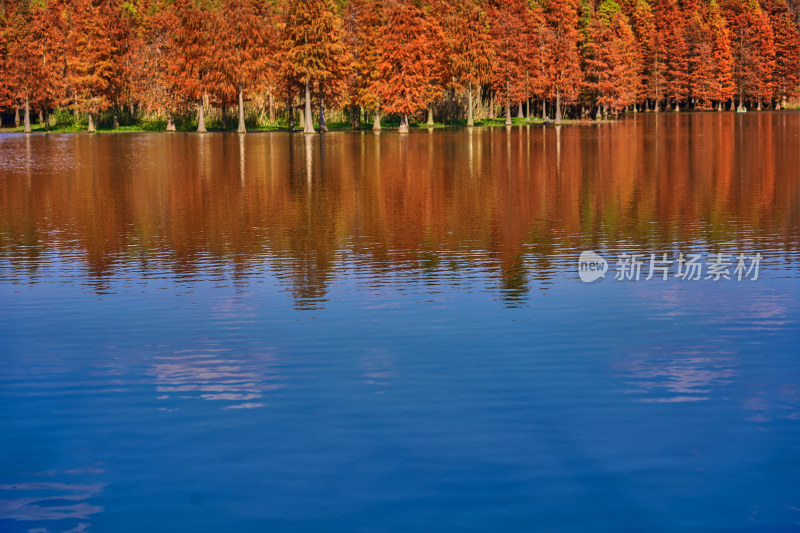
{"x": 510, "y": 202}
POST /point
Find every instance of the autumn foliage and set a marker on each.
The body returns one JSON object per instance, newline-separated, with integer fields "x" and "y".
{"x": 188, "y": 61}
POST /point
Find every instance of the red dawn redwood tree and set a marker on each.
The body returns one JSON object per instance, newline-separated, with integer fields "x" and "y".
{"x": 243, "y": 49}
{"x": 470, "y": 50}
{"x": 5, "y": 76}
{"x": 786, "y": 73}
{"x": 21, "y": 64}
{"x": 722, "y": 56}
{"x": 46, "y": 31}
{"x": 640, "y": 17}
{"x": 34, "y": 57}
{"x": 315, "y": 51}
{"x": 363, "y": 24}
{"x": 190, "y": 42}
{"x": 562, "y": 66}
{"x": 700, "y": 60}
{"x": 408, "y": 61}
{"x": 670, "y": 31}
{"x": 751, "y": 46}
{"x": 612, "y": 62}
{"x": 91, "y": 56}
{"x": 153, "y": 54}
{"x": 510, "y": 35}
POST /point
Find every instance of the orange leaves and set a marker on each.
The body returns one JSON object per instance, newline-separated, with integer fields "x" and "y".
{"x": 470, "y": 47}
{"x": 409, "y": 68}
{"x": 92, "y": 55}
{"x": 560, "y": 57}
{"x": 752, "y": 46}
{"x": 514, "y": 41}
{"x": 612, "y": 65}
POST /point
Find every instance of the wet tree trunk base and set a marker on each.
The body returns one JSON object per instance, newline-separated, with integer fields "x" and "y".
{"x": 470, "y": 116}
{"x": 242, "y": 128}
{"x": 308, "y": 119}
{"x": 27, "y": 128}
{"x": 323, "y": 125}
{"x": 376, "y": 123}
{"x": 403, "y": 125}
{"x": 271, "y": 107}
{"x": 558, "y": 108}
{"x": 90, "y": 128}
{"x": 201, "y": 119}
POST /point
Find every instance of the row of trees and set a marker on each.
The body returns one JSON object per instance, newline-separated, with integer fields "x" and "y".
{"x": 399, "y": 57}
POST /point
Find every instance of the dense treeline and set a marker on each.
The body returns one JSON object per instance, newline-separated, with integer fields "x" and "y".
{"x": 293, "y": 60}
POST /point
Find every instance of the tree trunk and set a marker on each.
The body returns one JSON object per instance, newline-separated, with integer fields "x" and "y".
{"x": 430, "y": 115}
{"x": 491, "y": 103}
{"x": 741, "y": 108}
{"x": 271, "y": 107}
{"x": 27, "y": 116}
{"x": 544, "y": 109}
{"x": 201, "y": 118}
{"x": 323, "y": 125}
{"x": 309, "y": 121}
{"x": 41, "y": 117}
{"x": 355, "y": 117}
{"x": 116, "y": 118}
{"x": 242, "y": 128}
{"x": 758, "y": 107}
{"x": 16, "y": 116}
{"x": 90, "y": 129}
{"x": 289, "y": 113}
{"x": 508, "y": 114}
{"x": 170, "y": 122}
{"x": 558, "y": 107}
{"x": 470, "y": 116}
{"x": 224, "y": 117}
{"x": 528, "y": 109}
{"x": 404, "y": 125}
{"x": 46, "y": 119}
{"x": 376, "y": 124}
{"x": 598, "y": 115}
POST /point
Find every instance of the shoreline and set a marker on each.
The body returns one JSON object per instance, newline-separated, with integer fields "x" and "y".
{"x": 336, "y": 127}
{"x": 346, "y": 127}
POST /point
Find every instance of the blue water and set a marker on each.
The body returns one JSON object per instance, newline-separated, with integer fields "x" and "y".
{"x": 410, "y": 393}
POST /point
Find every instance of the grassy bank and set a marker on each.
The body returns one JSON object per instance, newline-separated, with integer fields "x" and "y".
{"x": 213, "y": 125}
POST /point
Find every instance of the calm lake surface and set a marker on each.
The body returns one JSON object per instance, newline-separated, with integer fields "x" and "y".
{"x": 385, "y": 333}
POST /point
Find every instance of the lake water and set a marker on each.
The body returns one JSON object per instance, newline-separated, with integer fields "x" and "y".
{"x": 385, "y": 333}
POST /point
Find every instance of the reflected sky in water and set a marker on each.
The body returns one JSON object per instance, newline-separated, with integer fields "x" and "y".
{"x": 358, "y": 332}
